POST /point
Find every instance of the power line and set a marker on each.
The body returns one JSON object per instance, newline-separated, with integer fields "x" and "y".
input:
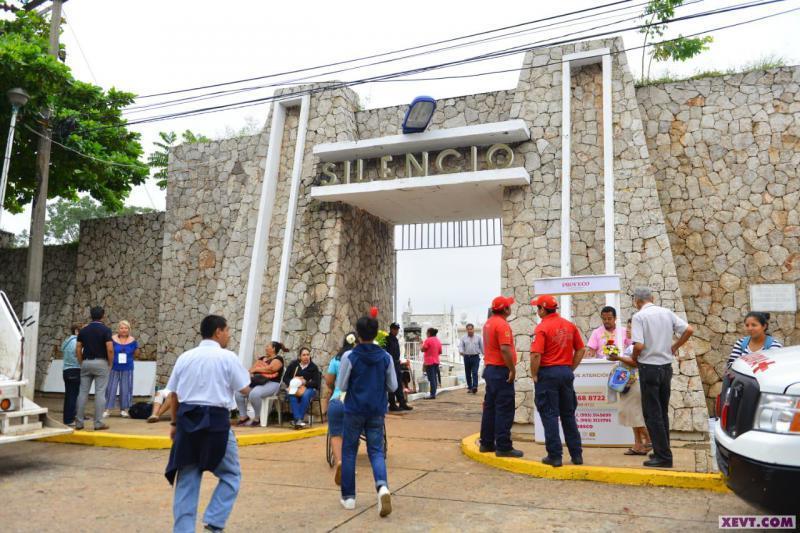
{"x": 80, "y": 48}
{"x": 87, "y": 156}
{"x": 482, "y": 57}
{"x": 217, "y": 94}
{"x": 382, "y": 54}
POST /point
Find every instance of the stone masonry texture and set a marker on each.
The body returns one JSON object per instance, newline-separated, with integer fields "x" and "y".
{"x": 706, "y": 205}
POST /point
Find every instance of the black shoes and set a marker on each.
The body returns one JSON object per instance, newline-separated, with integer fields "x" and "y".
{"x": 486, "y": 449}
{"x": 577, "y": 460}
{"x": 509, "y": 453}
{"x": 393, "y": 408}
{"x": 552, "y": 461}
{"x": 406, "y": 407}
{"x": 658, "y": 463}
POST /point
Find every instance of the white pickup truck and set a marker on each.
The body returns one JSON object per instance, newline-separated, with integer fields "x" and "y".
{"x": 20, "y": 418}
{"x": 758, "y": 429}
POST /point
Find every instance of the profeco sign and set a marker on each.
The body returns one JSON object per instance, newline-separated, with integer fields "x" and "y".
{"x": 578, "y": 285}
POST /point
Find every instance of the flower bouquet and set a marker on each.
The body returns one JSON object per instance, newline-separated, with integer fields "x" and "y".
{"x": 610, "y": 349}
{"x": 380, "y": 338}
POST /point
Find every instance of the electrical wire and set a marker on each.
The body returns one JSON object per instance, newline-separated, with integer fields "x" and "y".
{"x": 80, "y": 48}
{"x": 392, "y": 76}
{"x": 382, "y": 54}
{"x": 219, "y": 94}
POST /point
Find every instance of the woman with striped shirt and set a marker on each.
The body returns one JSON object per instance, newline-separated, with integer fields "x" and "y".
{"x": 758, "y": 338}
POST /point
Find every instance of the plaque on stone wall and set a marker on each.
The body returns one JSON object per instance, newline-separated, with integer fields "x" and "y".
{"x": 774, "y": 297}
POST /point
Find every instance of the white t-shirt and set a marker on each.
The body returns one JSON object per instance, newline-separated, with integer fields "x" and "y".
{"x": 208, "y": 375}
{"x": 655, "y": 327}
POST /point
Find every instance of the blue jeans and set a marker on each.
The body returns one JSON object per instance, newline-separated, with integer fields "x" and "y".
{"x": 187, "y": 490}
{"x": 300, "y": 405}
{"x": 555, "y": 398}
{"x": 335, "y": 418}
{"x": 354, "y": 425}
{"x": 498, "y": 409}
{"x": 432, "y": 373}
{"x": 471, "y": 365}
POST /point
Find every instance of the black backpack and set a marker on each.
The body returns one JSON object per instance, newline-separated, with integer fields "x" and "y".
{"x": 141, "y": 410}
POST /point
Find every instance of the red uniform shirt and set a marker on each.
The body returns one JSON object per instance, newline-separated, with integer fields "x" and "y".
{"x": 557, "y": 339}
{"x": 496, "y": 333}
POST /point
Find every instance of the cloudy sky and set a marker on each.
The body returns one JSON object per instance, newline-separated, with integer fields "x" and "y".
{"x": 150, "y": 46}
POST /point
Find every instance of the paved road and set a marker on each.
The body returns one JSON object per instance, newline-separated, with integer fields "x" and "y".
{"x": 288, "y": 487}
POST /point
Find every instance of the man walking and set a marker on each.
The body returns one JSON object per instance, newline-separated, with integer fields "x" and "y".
{"x": 398, "y": 397}
{"x": 366, "y": 374}
{"x": 203, "y": 383}
{"x": 471, "y": 347}
{"x": 95, "y": 353}
{"x": 499, "y": 372}
{"x": 652, "y": 332}
{"x": 556, "y": 351}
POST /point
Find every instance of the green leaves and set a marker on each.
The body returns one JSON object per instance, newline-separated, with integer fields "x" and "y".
{"x": 159, "y": 159}
{"x": 110, "y": 165}
{"x": 680, "y": 49}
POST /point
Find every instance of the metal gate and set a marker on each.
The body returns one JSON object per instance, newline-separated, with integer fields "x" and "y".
{"x": 441, "y": 235}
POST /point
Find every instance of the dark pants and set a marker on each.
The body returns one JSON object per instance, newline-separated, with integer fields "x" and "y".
{"x": 432, "y": 373}
{"x": 72, "y": 386}
{"x": 655, "y": 383}
{"x": 498, "y": 409}
{"x": 471, "y": 365}
{"x": 398, "y": 396}
{"x": 555, "y": 398}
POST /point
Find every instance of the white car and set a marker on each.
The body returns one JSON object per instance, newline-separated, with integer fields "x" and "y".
{"x": 758, "y": 431}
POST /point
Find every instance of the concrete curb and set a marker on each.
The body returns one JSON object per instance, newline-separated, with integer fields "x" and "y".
{"x": 603, "y": 474}
{"x": 147, "y": 442}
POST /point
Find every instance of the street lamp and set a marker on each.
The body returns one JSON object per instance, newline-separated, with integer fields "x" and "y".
{"x": 419, "y": 114}
{"x": 18, "y": 98}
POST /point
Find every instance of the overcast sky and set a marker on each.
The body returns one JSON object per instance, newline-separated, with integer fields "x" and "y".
{"x": 149, "y": 46}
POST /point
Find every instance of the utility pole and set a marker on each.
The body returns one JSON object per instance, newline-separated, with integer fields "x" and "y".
{"x": 33, "y": 290}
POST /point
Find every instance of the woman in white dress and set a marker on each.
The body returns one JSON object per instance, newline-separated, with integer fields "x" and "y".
{"x": 630, "y": 410}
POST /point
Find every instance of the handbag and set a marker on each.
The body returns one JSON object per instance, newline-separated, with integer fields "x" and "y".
{"x": 619, "y": 379}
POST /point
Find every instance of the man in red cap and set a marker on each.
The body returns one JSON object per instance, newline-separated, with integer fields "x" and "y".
{"x": 557, "y": 349}
{"x": 500, "y": 359}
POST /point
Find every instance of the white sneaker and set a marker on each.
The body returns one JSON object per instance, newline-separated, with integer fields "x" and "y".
{"x": 106, "y": 413}
{"x": 349, "y": 503}
{"x": 124, "y": 414}
{"x": 384, "y": 501}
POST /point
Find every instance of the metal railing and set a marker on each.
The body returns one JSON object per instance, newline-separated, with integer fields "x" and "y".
{"x": 440, "y": 235}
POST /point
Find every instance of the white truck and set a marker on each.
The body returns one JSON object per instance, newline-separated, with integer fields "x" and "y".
{"x": 20, "y": 418}
{"x": 758, "y": 429}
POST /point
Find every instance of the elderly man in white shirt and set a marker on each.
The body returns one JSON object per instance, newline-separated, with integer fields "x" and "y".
{"x": 203, "y": 383}
{"x": 471, "y": 347}
{"x": 653, "y": 334}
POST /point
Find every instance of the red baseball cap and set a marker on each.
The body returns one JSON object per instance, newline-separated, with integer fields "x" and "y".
{"x": 502, "y": 302}
{"x": 546, "y": 301}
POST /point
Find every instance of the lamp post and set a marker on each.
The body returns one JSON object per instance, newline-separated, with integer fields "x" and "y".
{"x": 18, "y": 98}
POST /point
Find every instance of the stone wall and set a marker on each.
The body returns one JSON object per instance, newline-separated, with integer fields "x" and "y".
{"x": 6, "y": 239}
{"x": 209, "y": 226}
{"x": 531, "y": 217}
{"x": 726, "y": 152}
{"x": 118, "y": 266}
{"x": 58, "y": 287}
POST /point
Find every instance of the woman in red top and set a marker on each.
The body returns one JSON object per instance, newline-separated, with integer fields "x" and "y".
{"x": 432, "y": 348}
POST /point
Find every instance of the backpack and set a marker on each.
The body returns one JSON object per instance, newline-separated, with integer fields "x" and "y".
{"x": 141, "y": 410}
{"x": 746, "y": 342}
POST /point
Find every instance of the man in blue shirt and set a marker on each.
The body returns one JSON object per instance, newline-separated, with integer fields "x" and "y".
{"x": 71, "y": 372}
{"x": 366, "y": 374}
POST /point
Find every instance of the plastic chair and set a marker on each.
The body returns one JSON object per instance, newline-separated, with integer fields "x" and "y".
{"x": 268, "y": 402}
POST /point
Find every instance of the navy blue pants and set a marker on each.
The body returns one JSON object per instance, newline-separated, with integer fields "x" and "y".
{"x": 498, "y": 409}
{"x": 555, "y": 398}
{"x": 471, "y": 364}
{"x": 431, "y": 372}
{"x": 72, "y": 386}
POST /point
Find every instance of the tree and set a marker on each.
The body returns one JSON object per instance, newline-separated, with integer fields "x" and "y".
{"x": 159, "y": 159}
{"x": 681, "y": 48}
{"x": 96, "y": 153}
{"x": 64, "y": 217}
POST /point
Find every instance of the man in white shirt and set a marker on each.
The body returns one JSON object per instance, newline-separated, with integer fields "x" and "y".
{"x": 203, "y": 383}
{"x": 471, "y": 347}
{"x": 653, "y": 332}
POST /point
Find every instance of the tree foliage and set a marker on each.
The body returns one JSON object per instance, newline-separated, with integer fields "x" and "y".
{"x": 64, "y": 218}
{"x": 159, "y": 159}
{"x": 86, "y": 119}
{"x": 656, "y": 15}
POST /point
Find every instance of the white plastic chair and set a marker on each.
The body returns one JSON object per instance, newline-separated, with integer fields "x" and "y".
{"x": 268, "y": 402}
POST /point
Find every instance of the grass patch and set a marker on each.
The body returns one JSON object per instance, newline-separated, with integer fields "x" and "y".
{"x": 765, "y": 63}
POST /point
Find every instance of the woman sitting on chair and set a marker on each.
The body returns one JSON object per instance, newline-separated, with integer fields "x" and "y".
{"x": 302, "y": 378}
{"x": 265, "y": 380}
